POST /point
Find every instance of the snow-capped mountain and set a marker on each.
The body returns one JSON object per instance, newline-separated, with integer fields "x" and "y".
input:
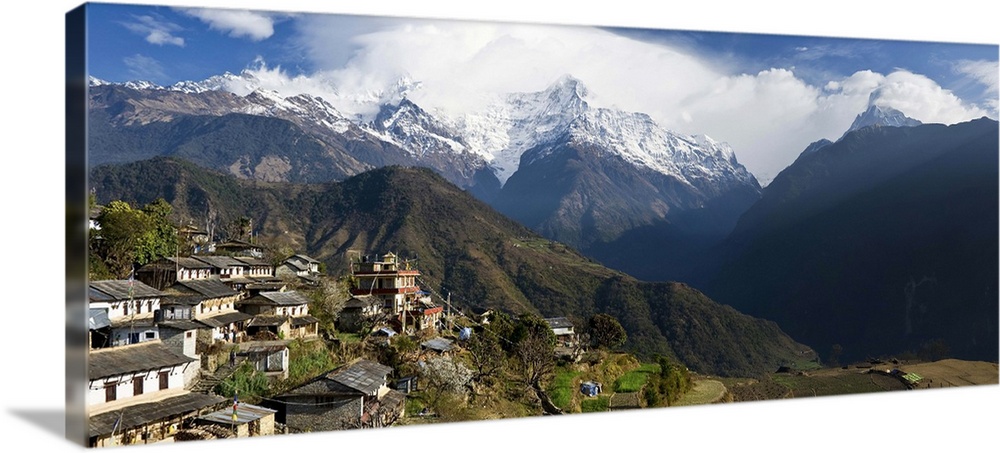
{"x": 624, "y": 171}
{"x": 882, "y": 116}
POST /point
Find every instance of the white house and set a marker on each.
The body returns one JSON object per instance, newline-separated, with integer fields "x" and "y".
{"x": 136, "y": 394}
{"x": 129, "y": 306}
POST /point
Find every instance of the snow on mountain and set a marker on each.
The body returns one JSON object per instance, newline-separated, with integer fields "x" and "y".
{"x": 523, "y": 121}
{"x": 498, "y": 135}
{"x": 882, "y": 116}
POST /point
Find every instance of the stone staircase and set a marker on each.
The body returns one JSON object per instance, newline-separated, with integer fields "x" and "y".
{"x": 207, "y": 381}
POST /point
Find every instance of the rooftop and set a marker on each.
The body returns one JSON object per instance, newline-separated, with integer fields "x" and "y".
{"x": 245, "y": 413}
{"x": 209, "y": 287}
{"x": 111, "y": 290}
{"x": 141, "y": 414}
{"x": 145, "y": 356}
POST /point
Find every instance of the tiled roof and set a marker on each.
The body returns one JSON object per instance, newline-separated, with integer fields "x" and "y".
{"x": 118, "y": 290}
{"x": 145, "y": 356}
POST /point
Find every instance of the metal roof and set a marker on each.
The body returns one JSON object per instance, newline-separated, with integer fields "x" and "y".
{"x": 245, "y": 413}
{"x": 118, "y": 290}
{"x": 98, "y": 318}
{"x": 438, "y": 344}
{"x": 182, "y": 324}
{"x": 141, "y": 414}
{"x": 364, "y": 375}
{"x": 145, "y": 356}
{"x": 559, "y": 323}
{"x": 208, "y": 287}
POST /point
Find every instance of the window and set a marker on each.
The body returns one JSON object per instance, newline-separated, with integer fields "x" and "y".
{"x": 150, "y": 335}
{"x": 164, "y": 380}
{"x": 137, "y": 385}
{"x": 125, "y": 308}
{"x": 187, "y": 334}
{"x": 110, "y": 391}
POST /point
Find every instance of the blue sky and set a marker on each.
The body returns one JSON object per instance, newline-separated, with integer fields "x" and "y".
{"x": 768, "y": 96}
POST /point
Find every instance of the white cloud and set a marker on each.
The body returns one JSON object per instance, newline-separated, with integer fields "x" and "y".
{"x": 986, "y": 73}
{"x": 768, "y": 117}
{"x": 923, "y": 99}
{"x": 238, "y": 24}
{"x": 142, "y": 67}
{"x": 156, "y": 31}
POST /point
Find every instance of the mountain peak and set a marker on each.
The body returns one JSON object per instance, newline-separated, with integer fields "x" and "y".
{"x": 881, "y": 116}
{"x": 567, "y": 88}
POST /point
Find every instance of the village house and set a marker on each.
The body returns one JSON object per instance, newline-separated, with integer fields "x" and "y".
{"x": 288, "y": 304}
{"x": 563, "y": 329}
{"x": 298, "y": 266}
{"x": 228, "y": 270}
{"x": 357, "y": 311}
{"x": 164, "y": 272}
{"x": 121, "y": 312}
{"x": 250, "y": 420}
{"x": 136, "y": 394}
{"x": 394, "y": 283}
{"x": 211, "y": 303}
{"x": 356, "y": 395}
{"x": 270, "y": 358}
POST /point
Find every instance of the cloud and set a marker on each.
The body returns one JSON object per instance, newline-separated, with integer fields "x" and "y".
{"x": 238, "y": 24}
{"x": 156, "y": 31}
{"x": 142, "y": 67}
{"x": 768, "y": 117}
{"x": 986, "y": 73}
{"x": 921, "y": 98}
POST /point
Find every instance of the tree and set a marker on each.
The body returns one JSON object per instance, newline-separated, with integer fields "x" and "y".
{"x": 239, "y": 229}
{"x": 133, "y": 237}
{"x": 487, "y": 356}
{"x": 326, "y": 303}
{"x": 444, "y": 376}
{"x": 533, "y": 357}
{"x": 606, "y": 332}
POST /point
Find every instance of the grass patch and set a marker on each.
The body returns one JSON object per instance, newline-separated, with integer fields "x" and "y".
{"x": 306, "y": 360}
{"x": 413, "y": 406}
{"x": 599, "y": 404}
{"x": 703, "y": 392}
{"x": 348, "y": 338}
{"x": 561, "y": 390}
{"x": 634, "y": 380}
